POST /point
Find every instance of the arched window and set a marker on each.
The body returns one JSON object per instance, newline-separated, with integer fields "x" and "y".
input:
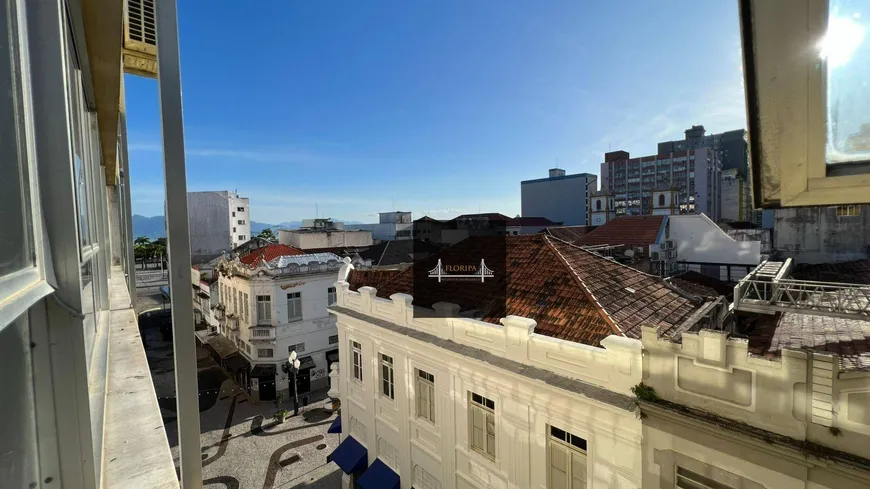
{"x": 597, "y": 205}
{"x": 661, "y": 199}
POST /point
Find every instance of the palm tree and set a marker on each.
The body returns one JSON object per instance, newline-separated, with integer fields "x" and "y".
{"x": 142, "y": 249}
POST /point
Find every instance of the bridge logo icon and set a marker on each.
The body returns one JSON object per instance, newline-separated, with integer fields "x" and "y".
{"x": 466, "y": 272}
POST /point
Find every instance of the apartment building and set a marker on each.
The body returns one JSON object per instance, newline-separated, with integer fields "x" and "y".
{"x": 559, "y": 197}
{"x": 219, "y": 222}
{"x": 730, "y": 146}
{"x": 269, "y": 308}
{"x": 634, "y": 186}
{"x": 391, "y": 226}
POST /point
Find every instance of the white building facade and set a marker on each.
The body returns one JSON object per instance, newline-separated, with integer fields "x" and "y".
{"x": 278, "y": 307}
{"x": 219, "y": 221}
{"x": 391, "y": 226}
{"x": 459, "y": 403}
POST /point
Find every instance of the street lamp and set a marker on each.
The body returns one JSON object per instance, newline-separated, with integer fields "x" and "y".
{"x": 293, "y": 365}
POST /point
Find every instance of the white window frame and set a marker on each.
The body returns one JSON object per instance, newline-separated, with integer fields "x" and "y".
{"x": 357, "y": 361}
{"x": 331, "y": 296}
{"x": 264, "y": 309}
{"x": 688, "y": 479}
{"x": 483, "y": 412}
{"x": 424, "y": 386}
{"x": 271, "y": 352}
{"x": 294, "y": 307}
{"x": 570, "y": 445}
{"x": 388, "y": 377}
{"x": 298, "y": 348}
{"x": 785, "y": 83}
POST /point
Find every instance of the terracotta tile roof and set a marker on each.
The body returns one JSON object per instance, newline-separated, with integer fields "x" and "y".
{"x": 852, "y": 272}
{"x": 370, "y": 278}
{"x": 573, "y": 294}
{"x": 701, "y": 285}
{"x": 568, "y": 233}
{"x": 269, "y": 253}
{"x": 628, "y": 230}
{"x": 847, "y": 338}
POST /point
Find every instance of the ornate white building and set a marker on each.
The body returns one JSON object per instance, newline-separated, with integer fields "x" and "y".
{"x": 614, "y": 379}
{"x": 270, "y": 307}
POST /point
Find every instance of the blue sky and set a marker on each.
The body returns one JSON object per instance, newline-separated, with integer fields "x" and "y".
{"x": 435, "y": 106}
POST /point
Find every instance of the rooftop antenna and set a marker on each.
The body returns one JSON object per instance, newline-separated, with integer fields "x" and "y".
{"x": 316, "y": 211}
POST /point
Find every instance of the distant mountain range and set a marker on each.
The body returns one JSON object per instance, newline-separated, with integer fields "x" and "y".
{"x": 155, "y": 227}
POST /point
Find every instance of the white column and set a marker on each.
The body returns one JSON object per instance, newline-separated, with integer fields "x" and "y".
{"x": 178, "y": 244}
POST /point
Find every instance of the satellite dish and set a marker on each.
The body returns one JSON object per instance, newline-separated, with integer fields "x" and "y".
{"x": 629, "y": 253}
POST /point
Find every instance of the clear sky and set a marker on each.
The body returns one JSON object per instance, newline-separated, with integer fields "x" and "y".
{"x": 437, "y": 107}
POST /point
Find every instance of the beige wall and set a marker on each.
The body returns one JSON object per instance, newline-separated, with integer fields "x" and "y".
{"x": 716, "y": 374}
{"x": 331, "y": 239}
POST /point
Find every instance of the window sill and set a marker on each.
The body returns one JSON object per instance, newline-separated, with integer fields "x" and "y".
{"x": 135, "y": 448}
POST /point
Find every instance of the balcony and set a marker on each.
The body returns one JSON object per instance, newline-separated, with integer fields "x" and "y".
{"x": 259, "y": 334}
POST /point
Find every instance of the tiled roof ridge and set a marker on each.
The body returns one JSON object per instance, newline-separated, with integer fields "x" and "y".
{"x": 589, "y": 295}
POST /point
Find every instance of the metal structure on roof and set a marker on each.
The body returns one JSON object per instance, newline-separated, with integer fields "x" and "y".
{"x": 767, "y": 290}
{"x": 302, "y": 260}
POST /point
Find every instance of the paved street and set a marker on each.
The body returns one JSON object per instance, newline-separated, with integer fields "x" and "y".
{"x": 242, "y": 445}
{"x": 148, "y": 283}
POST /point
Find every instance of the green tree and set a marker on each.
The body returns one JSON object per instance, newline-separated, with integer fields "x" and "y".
{"x": 268, "y": 235}
{"x": 157, "y": 250}
{"x": 142, "y": 250}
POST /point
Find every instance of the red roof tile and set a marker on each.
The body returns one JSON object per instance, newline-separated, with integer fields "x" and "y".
{"x": 573, "y": 294}
{"x": 847, "y": 338}
{"x": 626, "y": 230}
{"x": 370, "y": 278}
{"x": 568, "y": 233}
{"x": 269, "y": 253}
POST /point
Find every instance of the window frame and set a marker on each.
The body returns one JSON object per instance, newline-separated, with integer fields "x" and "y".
{"x": 786, "y": 100}
{"x": 387, "y": 377}
{"x": 264, "y": 302}
{"x": 21, "y": 289}
{"x": 567, "y": 443}
{"x": 483, "y": 406}
{"x": 331, "y": 296}
{"x": 259, "y": 350}
{"x": 423, "y": 382}
{"x": 292, "y": 298}
{"x": 356, "y": 361}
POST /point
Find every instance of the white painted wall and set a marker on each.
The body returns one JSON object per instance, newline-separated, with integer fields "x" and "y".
{"x": 315, "y": 328}
{"x": 524, "y": 407}
{"x": 698, "y": 239}
{"x": 240, "y": 219}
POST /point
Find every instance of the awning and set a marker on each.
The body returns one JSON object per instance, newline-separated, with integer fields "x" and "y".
{"x": 222, "y": 345}
{"x": 379, "y": 476}
{"x": 331, "y": 356}
{"x": 263, "y": 370}
{"x": 236, "y": 363}
{"x": 306, "y": 362}
{"x": 350, "y": 456}
{"x": 335, "y": 427}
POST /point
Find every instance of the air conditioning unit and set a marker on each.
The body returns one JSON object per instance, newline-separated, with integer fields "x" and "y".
{"x": 668, "y": 245}
{"x": 672, "y": 254}
{"x": 140, "y": 38}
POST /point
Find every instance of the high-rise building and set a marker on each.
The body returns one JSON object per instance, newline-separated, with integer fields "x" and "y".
{"x": 729, "y": 145}
{"x": 219, "y": 221}
{"x": 692, "y": 178}
{"x": 559, "y": 197}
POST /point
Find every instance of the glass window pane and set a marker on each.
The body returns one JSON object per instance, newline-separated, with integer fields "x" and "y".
{"x": 18, "y": 464}
{"x": 88, "y": 310}
{"x": 846, "y": 51}
{"x": 14, "y": 240}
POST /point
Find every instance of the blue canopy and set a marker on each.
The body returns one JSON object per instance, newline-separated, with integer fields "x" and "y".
{"x": 335, "y": 427}
{"x": 379, "y": 476}
{"x": 350, "y": 456}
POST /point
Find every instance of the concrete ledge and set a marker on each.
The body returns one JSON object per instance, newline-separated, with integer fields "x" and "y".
{"x": 135, "y": 448}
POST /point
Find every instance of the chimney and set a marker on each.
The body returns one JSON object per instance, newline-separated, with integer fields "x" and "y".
{"x": 557, "y": 172}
